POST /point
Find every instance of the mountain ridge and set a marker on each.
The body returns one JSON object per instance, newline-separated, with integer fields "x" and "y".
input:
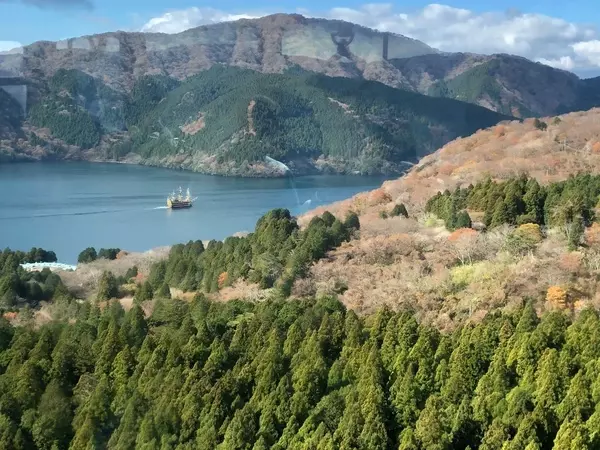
{"x": 278, "y": 42}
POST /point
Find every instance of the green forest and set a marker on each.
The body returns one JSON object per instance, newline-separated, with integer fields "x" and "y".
{"x": 274, "y": 255}
{"x": 299, "y": 375}
{"x": 78, "y": 109}
{"x": 293, "y": 116}
{"x": 521, "y": 200}
{"x": 18, "y": 285}
{"x": 296, "y": 115}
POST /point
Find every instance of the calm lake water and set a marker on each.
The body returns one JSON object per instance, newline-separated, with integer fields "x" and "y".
{"x": 67, "y": 207}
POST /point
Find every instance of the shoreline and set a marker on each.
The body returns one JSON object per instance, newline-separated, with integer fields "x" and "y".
{"x": 329, "y": 168}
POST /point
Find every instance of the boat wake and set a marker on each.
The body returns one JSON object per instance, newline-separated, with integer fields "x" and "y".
{"x": 83, "y": 213}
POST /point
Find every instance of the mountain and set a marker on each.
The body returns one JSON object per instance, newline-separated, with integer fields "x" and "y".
{"x": 230, "y": 121}
{"x": 270, "y": 44}
{"x": 569, "y": 145}
{"x": 273, "y": 44}
{"x": 99, "y": 97}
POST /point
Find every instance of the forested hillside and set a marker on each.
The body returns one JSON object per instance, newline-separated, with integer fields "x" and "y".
{"x": 78, "y": 109}
{"x": 296, "y": 375}
{"x": 11, "y": 117}
{"x": 243, "y": 116}
{"x": 514, "y": 86}
{"x": 227, "y": 120}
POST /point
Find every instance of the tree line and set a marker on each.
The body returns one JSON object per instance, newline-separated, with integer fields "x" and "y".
{"x": 90, "y": 254}
{"x": 20, "y": 286}
{"x": 303, "y": 374}
{"x": 569, "y": 204}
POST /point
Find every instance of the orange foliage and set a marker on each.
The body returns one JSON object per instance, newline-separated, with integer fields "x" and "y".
{"x": 592, "y": 235}
{"x": 223, "y": 277}
{"x": 122, "y": 254}
{"x": 571, "y": 262}
{"x": 446, "y": 169}
{"x": 462, "y": 233}
{"x": 378, "y": 197}
{"x": 596, "y": 147}
{"x": 10, "y": 315}
{"x": 557, "y": 296}
{"x": 499, "y": 130}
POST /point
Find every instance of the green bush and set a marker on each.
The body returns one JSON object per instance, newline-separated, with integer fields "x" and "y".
{"x": 87, "y": 256}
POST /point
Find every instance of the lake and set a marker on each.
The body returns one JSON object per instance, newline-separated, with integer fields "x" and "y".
{"x": 66, "y": 207}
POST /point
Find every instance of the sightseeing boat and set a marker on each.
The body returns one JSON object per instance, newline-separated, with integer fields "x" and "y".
{"x": 180, "y": 201}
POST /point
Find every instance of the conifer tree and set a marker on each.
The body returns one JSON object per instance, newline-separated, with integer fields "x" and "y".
{"x": 107, "y": 287}
{"x": 463, "y": 220}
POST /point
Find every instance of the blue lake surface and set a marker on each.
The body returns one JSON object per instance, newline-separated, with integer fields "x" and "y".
{"x": 67, "y": 207}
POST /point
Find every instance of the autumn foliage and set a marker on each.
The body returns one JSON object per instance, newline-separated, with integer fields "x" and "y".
{"x": 378, "y": 197}
{"x": 592, "y": 235}
{"x": 462, "y": 234}
{"x": 222, "y": 280}
{"x": 557, "y": 296}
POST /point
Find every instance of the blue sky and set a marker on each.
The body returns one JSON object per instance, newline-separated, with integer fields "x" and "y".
{"x": 548, "y": 31}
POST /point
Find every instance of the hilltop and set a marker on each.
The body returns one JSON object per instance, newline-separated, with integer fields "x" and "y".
{"x": 569, "y": 145}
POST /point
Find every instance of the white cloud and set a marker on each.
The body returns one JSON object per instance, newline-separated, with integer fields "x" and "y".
{"x": 550, "y": 40}
{"x": 589, "y": 50}
{"x": 180, "y": 20}
{"x": 10, "y": 47}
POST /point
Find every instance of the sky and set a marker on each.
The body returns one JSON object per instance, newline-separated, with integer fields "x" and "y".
{"x": 562, "y": 34}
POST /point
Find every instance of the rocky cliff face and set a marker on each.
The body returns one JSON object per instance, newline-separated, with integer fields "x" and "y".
{"x": 271, "y": 44}
{"x": 282, "y": 42}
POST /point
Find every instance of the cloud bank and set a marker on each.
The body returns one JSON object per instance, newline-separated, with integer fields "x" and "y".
{"x": 549, "y": 40}
{"x": 180, "y": 20}
{"x": 10, "y": 47}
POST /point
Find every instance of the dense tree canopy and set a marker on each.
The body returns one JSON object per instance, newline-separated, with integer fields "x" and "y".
{"x": 18, "y": 286}
{"x": 569, "y": 204}
{"x": 274, "y": 255}
{"x": 298, "y": 374}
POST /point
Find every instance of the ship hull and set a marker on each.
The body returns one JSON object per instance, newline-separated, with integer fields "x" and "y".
{"x": 180, "y": 205}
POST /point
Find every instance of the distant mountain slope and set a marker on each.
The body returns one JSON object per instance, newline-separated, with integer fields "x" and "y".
{"x": 274, "y": 44}
{"x": 227, "y": 120}
{"x": 504, "y": 83}
{"x": 243, "y": 116}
